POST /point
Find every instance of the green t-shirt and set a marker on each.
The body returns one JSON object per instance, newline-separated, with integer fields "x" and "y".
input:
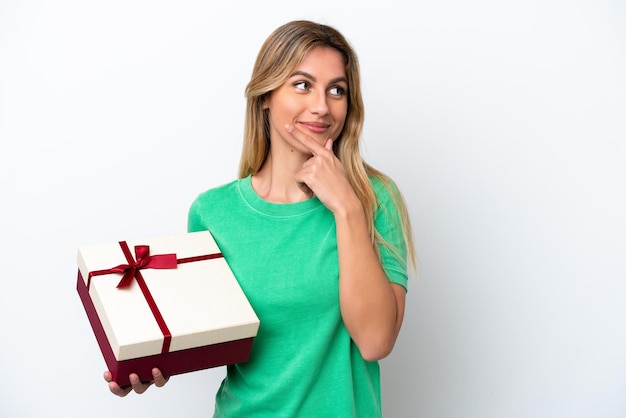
{"x": 303, "y": 362}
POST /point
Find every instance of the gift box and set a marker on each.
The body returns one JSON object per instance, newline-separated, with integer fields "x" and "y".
{"x": 168, "y": 302}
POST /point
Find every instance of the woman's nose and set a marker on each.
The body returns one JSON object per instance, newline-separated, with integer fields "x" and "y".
{"x": 319, "y": 103}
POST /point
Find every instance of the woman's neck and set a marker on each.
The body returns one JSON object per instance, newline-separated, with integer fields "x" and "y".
{"x": 276, "y": 180}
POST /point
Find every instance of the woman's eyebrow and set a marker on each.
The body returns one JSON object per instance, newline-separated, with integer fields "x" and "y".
{"x": 310, "y": 77}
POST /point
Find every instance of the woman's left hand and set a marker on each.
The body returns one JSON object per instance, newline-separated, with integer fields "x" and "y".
{"x": 323, "y": 174}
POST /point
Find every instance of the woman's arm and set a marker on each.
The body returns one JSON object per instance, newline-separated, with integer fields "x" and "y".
{"x": 372, "y": 308}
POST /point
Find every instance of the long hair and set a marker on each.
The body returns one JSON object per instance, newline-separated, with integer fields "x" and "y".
{"x": 283, "y": 51}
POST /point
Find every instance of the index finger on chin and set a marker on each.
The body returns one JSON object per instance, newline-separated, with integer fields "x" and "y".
{"x": 305, "y": 140}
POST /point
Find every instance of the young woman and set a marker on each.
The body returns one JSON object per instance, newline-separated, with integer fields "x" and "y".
{"x": 318, "y": 239}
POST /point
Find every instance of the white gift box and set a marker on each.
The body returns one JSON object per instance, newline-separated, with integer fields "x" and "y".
{"x": 187, "y": 314}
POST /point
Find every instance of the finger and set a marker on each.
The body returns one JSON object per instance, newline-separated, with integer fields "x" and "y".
{"x": 137, "y": 385}
{"x": 159, "y": 379}
{"x": 114, "y": 387}
{"x": 118, "y": 390}
{"x": 305, "y": 140}
{"x": 305, "y": 188}
{"x": 329, "y": 144}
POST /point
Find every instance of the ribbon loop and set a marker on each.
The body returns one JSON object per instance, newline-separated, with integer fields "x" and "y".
{"x": 143, "y": 260}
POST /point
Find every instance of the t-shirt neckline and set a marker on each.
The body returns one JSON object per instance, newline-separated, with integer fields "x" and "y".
{"x": 275, "y": 209}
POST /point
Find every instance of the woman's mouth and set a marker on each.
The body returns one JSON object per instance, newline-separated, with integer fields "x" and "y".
{"x": 316, "y": 127}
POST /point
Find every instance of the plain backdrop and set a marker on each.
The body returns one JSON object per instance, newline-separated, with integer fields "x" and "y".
{"x": 503, "y": 122}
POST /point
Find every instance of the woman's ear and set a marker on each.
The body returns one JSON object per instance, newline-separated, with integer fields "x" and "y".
{"x": 265, "y": 101}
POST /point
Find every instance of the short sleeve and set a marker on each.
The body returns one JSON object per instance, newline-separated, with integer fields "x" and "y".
{"x": 388, "y": 224}
{"x": 194, "y": 221}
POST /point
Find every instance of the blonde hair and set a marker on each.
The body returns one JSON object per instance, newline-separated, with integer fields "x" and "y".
{"x": 283, "y": 51}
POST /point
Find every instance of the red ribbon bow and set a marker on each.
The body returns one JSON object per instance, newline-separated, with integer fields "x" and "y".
{"x": 143, "y": 260}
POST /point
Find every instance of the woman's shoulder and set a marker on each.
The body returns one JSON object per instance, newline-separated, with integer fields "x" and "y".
{"x": 222, "y": 193}
{"x": 211, "y": 207}
{"x": 384, "y": 187}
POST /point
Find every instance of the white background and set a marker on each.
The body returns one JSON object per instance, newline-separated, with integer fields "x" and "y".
{"x": 502, "y": 122}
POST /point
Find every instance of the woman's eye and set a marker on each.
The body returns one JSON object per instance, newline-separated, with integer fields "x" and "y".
{"x": 337, "y": 91}
{"x": 301, "y": 85}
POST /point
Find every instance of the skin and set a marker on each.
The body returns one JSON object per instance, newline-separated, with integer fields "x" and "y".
{"x": 306, "y": 115}
{"x": 135, "y": 384}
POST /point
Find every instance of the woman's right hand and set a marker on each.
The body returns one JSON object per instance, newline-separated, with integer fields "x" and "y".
{"x": 135, "y": 384}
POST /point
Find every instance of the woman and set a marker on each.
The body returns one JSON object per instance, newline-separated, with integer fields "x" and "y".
{"x": 317, "y": 238}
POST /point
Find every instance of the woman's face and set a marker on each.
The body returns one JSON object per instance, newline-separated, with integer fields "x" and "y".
{"x": 314, "y": 99}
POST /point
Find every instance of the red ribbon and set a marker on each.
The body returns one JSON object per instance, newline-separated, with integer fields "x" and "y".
{"x": 141, "y": 261}
{"x": 144, "y": 261}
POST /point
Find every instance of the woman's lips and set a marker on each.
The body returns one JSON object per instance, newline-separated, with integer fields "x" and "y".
{"x": 315, "y": 127}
